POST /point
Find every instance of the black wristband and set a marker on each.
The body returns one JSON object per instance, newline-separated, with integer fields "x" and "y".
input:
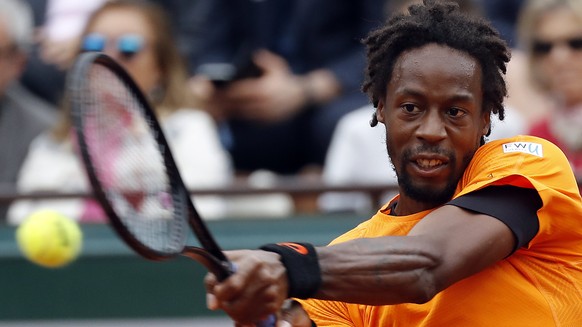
{"x": 303, "y": 272}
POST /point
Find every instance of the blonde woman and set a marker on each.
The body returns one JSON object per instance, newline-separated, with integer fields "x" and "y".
{"x": 551, "y": 36}
{"x": 136, "y": 34}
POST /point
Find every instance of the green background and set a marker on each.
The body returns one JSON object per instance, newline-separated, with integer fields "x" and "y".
{"x": 110, "y": 281}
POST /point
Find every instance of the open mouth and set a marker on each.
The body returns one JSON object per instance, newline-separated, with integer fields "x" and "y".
{"x": 429, "y": 163}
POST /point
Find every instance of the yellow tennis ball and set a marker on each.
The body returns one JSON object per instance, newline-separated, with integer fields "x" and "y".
{"x": 49, "y": 239}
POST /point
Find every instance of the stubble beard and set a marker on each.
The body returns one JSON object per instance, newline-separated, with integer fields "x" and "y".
{"x": 430, "y": 196}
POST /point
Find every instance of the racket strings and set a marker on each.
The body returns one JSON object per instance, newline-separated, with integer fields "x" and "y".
{"x": 130, "y": 165}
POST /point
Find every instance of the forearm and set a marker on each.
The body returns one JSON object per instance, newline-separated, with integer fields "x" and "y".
{"x": 377, "y": 272}
{"x": 447, "y": 246}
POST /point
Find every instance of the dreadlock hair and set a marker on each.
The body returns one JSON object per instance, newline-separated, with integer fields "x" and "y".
{"x": 438, "y": 22}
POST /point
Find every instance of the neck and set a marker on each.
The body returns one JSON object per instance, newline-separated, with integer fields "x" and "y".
{"x": 407, "y": 206}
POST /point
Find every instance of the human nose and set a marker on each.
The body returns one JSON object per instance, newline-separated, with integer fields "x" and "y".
{"x": 560, "y": 53}
{"x": 110, "y": 50}
{"x": 432, "y": 127}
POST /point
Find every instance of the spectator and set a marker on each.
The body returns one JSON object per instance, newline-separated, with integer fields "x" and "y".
{"x": 60, "y": 22}
{"x": 23, "y": 116}
{"x": 137, "y": 35}
{"x": 551, "y": 36}
{"x": 523, "y": 97}
{"x": 58, "y": 25}
{"x": 310, "y": 60}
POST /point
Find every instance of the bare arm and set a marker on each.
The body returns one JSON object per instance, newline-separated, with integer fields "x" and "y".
{"x": 446, "y": 246}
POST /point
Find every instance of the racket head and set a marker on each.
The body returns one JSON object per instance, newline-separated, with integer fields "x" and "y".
{"x": 127, "y": 159}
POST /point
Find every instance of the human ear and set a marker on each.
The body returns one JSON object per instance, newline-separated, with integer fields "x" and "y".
{"x": 486, "y": 124}
{"x": 380, "y": 111}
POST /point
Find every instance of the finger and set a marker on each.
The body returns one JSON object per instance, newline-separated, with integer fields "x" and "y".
{"x": 256, "y": 305}
{"x": 211, "y": 302}
{"x": 242, "y": 90}
{"x": 283, "y": 323}
{"x": 210, "y": 280}
{"x": 267, "y": 60}
{"x": 202, "y": 87}
{"x": 210, "y": 283}
{"x": 293, "y": 313}
{"x": 249, "y": 307}
{"x": 242, "y": 281}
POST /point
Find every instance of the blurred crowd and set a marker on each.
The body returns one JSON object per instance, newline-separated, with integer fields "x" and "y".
{"x": 255, "y": 91}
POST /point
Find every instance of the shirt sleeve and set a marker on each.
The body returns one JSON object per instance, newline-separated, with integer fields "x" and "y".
{"x": 330, "y": 313}
{"x": 515, "y": 206}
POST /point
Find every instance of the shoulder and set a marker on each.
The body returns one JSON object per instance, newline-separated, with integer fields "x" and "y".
{"x": 30, "y": 105}
{"x": 522, "y": 146}
{"x": 189, "y": 116}
{"x": 520, "y": 161}
{"x": 27, "y": 114}
{"x": 46, "y": 145}
{"x": 188, "y": 121}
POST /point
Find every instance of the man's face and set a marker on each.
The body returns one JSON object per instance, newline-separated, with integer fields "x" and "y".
{"x": 434, "y": 122}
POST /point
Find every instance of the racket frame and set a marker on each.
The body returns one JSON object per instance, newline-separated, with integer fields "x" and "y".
{"x": 211, "y": 255}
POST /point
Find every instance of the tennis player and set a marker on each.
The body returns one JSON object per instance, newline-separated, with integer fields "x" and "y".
{"x": 481, "y": 233}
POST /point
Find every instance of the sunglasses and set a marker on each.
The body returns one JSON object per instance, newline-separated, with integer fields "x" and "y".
{"x": 127, "y": 45}
{"x": 543, "y": 48}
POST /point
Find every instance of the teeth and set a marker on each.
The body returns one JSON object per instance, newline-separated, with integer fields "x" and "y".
{"x": 426, "y": 163}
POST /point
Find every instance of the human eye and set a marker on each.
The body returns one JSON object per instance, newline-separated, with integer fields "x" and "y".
{"x": 409, "y": 108}
{"x": 456, "y": 112}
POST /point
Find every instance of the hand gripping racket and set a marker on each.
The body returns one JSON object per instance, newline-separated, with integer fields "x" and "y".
{"x": 131, "y": 169}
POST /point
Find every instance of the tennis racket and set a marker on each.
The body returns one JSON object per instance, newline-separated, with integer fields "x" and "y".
{"x": 131, "y": 169}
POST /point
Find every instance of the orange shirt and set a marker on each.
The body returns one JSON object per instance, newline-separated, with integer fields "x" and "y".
{"x": 538, "y": 285}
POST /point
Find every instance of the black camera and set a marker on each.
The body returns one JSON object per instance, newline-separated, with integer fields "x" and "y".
{"x": 222, "y": 73}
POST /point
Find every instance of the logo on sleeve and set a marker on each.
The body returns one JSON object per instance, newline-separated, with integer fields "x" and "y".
{"x": 524, "y": 147}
